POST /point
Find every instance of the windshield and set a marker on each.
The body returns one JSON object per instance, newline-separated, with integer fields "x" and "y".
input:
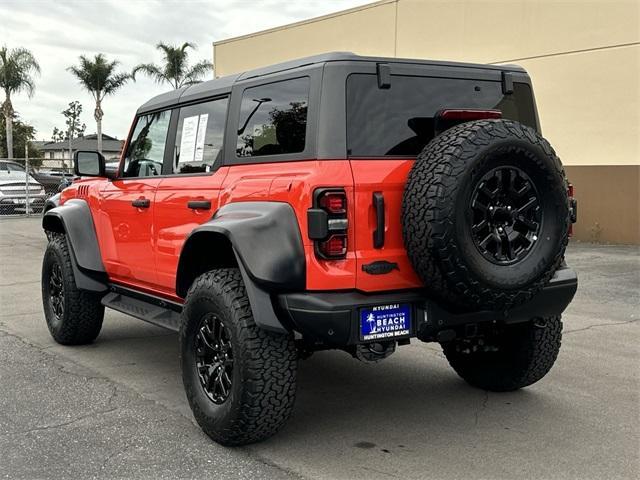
{"x": 14, "y": 167}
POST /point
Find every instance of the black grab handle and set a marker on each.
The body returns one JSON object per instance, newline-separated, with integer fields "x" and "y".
{"x": 199, "y": 204}
{"x": 378, "y": 233}
{"x": 141, "y": 203}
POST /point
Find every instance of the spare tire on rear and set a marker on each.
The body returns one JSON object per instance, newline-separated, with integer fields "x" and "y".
{"x": 485, "y": 215}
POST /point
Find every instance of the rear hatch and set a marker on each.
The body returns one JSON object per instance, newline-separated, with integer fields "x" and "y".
{"x": 386, "y": 129}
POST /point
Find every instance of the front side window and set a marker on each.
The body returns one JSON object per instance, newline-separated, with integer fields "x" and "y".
{"x": 273, "y": 118}
{"x": 146, "y": 148}
{"x": 199, "y": 137}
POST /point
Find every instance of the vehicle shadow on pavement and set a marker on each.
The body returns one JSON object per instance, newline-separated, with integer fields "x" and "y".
{"x": 411, "y": 393}
{"x": 392, "y": 419}
{"x": 419, "y": 394}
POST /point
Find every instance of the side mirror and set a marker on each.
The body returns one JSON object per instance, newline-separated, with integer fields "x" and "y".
{"x": 88, "y": 164}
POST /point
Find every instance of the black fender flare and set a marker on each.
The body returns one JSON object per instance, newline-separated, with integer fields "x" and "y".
{"x": 267, "y": 245}
{"x": 51, "y": 202}
{"x": 74, "y": 220}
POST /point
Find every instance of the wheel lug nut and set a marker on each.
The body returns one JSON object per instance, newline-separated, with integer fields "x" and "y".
{"x": 508, "y": 208}
{"x": 490, "y": 208}
{"x": 500, "y": 229}
{"x": 534, "y": 238}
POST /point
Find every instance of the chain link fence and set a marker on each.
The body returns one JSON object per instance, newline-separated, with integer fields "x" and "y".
{"x": 25, "y": 185}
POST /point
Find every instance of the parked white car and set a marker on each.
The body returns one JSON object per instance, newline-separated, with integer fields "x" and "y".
{"x": 13, "y": 192}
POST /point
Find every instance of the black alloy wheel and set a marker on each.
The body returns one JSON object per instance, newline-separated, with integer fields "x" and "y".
{"x": 56, "y": 291}
{"x": 506, "y": 215}
{"x": 240, "y": 379}
{"x": 214, "y": 358}
{"x": 74, "y": 316}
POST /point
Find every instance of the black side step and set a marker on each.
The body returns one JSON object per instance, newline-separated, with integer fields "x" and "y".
{"x": 160, "y": 316}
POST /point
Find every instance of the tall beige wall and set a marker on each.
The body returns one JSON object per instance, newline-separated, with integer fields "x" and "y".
{"x": 583, "y": 57}
{"x": 370, "y": 29}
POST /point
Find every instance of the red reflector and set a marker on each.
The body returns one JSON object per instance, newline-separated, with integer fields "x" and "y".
{"x": 334, "y": 247}
{"x": 334, "y": 202}
{"x": 457, "y": 114}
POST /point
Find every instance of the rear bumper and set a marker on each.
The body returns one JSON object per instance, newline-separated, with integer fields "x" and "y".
{"x": 332, "y": 318}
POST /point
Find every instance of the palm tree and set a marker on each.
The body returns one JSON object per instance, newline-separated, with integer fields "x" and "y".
{"x": 175, "y": 71}
{"x": 17, "y": 68}
{"x": 98, "y": 76}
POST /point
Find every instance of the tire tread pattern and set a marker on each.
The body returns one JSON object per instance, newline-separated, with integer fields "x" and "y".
{"x": 429, "y": 215}
{"x": 83, "y": 312}
{"x": 268, "y": 361}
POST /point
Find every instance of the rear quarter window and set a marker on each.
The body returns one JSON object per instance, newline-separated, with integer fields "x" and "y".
{"x": 273, "y": 118}
{"x": 399, "y": 121}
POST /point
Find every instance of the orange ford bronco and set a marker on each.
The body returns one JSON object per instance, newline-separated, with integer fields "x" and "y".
{"x": 336, "y": 201}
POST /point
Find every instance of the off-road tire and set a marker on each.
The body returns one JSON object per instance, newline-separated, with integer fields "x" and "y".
{"x": 436, "y": 215}
{"x": 82, "y": 314}
{"x": 263, "y": 387}
{"x": 525, "y": 353}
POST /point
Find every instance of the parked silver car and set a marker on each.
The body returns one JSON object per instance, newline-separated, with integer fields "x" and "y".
{"x": 13, "y": 192}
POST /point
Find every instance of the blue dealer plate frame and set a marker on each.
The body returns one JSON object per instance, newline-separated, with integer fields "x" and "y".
{"x": 385, "y": 322}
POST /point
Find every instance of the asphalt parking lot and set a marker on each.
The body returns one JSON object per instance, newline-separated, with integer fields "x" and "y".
{"x": 116, "y": 408}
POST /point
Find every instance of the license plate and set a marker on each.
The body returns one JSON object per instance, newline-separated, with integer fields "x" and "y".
{"x": 385, "y": 322}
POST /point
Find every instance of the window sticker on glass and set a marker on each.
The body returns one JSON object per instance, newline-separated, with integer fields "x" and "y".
{"x": 202, "y": 130}
{"x": 188, "y": 142}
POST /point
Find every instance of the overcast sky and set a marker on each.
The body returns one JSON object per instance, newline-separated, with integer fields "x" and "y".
{"x": 57, "y": 32}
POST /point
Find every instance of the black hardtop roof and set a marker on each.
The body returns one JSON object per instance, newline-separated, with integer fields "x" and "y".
{"x": 223, "y": 85}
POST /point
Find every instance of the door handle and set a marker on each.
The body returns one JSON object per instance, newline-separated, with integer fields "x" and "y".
{"x": 199, "y": 204}
{"x": 378, "y": 233}
{"x": 141, "y": 203}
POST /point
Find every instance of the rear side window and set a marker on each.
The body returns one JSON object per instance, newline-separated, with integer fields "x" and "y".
{"x": 273, "y": 118}
{"x": 199, "y": 137}
{"x": 146, "y": 149}
{"x": 399, "y": 121}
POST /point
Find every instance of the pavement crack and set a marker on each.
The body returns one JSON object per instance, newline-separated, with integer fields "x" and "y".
{"x": 255, "y": 455}
{"x": 23, "y": 340}
{"x": 60, "y": 425}
{"x": 626, "y": 322}
{"x": 482, "y": 408}
{"x": 9, "y": 315}
{"x": 111, "y": 456}
{"x": 379, "y": 471}
{"x": 113, "y": 395}
{"x": 11, "y": 284}
{"x": 83, "y": 376}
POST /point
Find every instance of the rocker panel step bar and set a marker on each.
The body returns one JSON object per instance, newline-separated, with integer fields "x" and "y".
{"x": 155, "y": 314}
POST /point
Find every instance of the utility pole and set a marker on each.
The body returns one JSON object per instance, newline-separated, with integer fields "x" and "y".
{"x": 69, "y": 135}
{"x": 27, "y": 204}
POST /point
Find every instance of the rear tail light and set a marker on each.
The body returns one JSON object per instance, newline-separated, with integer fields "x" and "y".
{"x": 334, "y": 247}
{"x": 333, "y": 202}
{"x": 328, "y": 224}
